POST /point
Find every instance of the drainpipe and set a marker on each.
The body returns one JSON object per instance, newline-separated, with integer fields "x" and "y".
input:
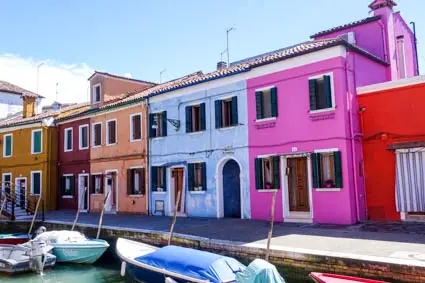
{"x": 353, "y": 156}
{"x": 384, "y": 38}
{"x": 148, "y": 189}
{"x": 416, "y": 46}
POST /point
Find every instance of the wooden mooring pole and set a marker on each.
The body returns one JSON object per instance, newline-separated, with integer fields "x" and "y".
{"x": 35, "y": 215}
{"x": 101, "y": 215}
{"x": 79, "y": 208}
{"x": 269, "y": 239}
{"x": 2, "y": 205}
{"x": 174, "y": 218}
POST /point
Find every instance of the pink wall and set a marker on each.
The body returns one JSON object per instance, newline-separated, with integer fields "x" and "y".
{"x": 402, "y": 29}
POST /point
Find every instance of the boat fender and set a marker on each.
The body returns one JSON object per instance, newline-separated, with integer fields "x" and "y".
{"x": 123, "y": 266}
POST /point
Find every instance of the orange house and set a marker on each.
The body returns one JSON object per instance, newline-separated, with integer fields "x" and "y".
{"x": 393, "y": 119}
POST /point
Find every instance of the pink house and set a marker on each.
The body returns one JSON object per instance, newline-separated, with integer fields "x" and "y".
{"x": 304, "y": 135}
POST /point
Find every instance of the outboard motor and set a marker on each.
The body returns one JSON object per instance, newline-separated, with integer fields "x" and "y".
{"x": 38, "y": 255}
{"x": 38, "y": 231}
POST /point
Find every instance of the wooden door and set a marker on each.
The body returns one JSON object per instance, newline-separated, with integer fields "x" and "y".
{"x": 178, "y": 185}
{"x": 298, "y": 184}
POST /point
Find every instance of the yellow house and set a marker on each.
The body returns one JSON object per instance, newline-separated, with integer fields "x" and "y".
{"x": 28, "y": 157}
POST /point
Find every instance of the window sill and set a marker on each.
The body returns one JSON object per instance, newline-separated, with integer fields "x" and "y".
{"x": 328, "y": 189}
{"x": 137, "y": 140}
{"x": 322, "y": 110}
{"x": 83, "y": 148}
{"x": 196, "y": 133}
{"x": 68, "y": 150}
{"x": 7, "y": 156}
{"x": 266, "y": 119}
{"x": 227, "y": 128}
{"x": 136, "y": 196}
{"x": 158, "y": 138}
{"x": 97, "y": 194}
{"x": 33, "y": 153}
{"x": 267, "y": 191}
{"x": 68, "y": 197}
{"x": 159, "y": 193}
{"x": 96, "y": 146}
{"x": 197, "y": 192}
{"x": 111, "y": 144}
{"x": 34, "y": 195}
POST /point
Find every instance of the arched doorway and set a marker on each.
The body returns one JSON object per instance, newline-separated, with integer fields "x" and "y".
{"x": 231, "y": 189}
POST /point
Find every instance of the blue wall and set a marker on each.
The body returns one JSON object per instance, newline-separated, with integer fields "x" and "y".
{"x": 213, "y": 146}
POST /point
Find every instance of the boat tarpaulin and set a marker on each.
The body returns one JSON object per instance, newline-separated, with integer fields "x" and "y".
{"x": 194, "y": 263}
{"x": 259, "y": 271}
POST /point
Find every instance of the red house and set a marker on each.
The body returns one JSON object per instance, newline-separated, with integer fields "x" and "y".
{"x": 392, "y": 120}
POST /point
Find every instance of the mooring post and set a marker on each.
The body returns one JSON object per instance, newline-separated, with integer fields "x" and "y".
{"x": 79, "y": 208}
{"x": 174, "y": 218}
{"x": 271, "y": 226}
{"x": 101, "y": 215}
{"x": 35, "y": 215}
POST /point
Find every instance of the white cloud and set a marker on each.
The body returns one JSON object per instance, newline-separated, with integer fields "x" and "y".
{"x": 128, "y": 75}
{"x": 71, "y": 78}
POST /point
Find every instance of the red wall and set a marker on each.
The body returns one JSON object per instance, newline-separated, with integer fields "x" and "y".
{"x": 390, "y": 116}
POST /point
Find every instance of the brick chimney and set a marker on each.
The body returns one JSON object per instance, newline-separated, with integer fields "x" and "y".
{"x": 29, "y": 106}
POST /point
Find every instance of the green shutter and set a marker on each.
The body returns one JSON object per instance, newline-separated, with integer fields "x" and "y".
{"x": 154, "y": 182}
{"x": 164, "y": 176}
{"x": 218, "y": 114}
{"x": 204, "y": 176}
{"x": 338, "y": 169}
{"x": 190, "y": 176}
{"x": 37, "y": 142}
{"x": 235, "y": 111}
{"x": 203, "y": 119}
{"x": 259, "y": 104}
{"x": 313, "y": 97}
{"x": 152, "y": 132}
{"x": 72, "y": 181}
{"x": 316, "y": 170}
{"x": 188, "y": 119}
{"x": 164, "y": 123}
{"x": 273, "y": 95}
{"x": 259, "y": 174}
{"x": 276, "y": 172}
{"x": 8, "y": 144}
{"x": 328, "y": 91}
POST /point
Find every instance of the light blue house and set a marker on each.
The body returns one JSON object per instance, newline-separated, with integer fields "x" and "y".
{"x": 206, "y": 158}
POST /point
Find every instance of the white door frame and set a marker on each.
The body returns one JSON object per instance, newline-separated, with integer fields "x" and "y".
{"x": 288, "y": 216}
{"x": 26, "y": 188}
{"x": 171, "y": 196}
{"x": 219, "y": 178}
{"x": 116, "y": 188}
{"x": 80, "y": 190}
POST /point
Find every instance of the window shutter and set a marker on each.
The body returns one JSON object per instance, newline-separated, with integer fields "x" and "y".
{"x": 218, "y": 114}
{"x": 72, "y": 181}
{"x": 316, "y": 170}
{"x": 102, "y": 181}
{"x": 152, "y": 132}
{"x": 154, "y": 181}
{"x": 69, "y": 139}
{"x": 259, "y": 104}
{"x": 276, "y": 172}
{"x": 129, "y": 182}
{"x": 273, "y": 95}
{"x": 235, "y": 110}
{"x": 188, "y": 119}
{"x": 92, "y": 184}
{"x": 164, "y": 123}
{"x": 98, "y": 134}
{"x": 8, "y": 145}
{"x": 203, "y": 117}
{"x": 204, "y": 176}
{"x": 338, "y": 169}
{"x": 142, "y": 181}
{"x": 137, "y": 127}
{"x": 259, "y": 173}
{"x": 328, "y": 91}
{"x": 164, "y": 176}
{"x": 190, "y": 176}
{"x": 313, "y": 98}
{"x": 63, "y": 182}
{"x": 37, "y": 142}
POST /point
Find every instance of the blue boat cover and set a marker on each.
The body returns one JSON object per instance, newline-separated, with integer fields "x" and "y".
{"x": 194, "y": 263}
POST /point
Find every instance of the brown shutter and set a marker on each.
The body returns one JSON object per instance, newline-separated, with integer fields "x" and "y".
{"x": 112, "y": 132}
{"x": 142, "y": 180}
{"x": 98, "y": 134}
{"x": 137, "y": 132}
{"x": 129, "y": 182}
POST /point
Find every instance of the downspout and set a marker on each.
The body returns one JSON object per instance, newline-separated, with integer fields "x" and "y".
{"x": 416, "y": 47}
{"x": 353, "y": 157}
{"x": 148, "y": 189}
{"x": 384, "y": 38}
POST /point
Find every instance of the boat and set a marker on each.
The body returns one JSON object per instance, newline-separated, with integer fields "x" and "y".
{"x": 73, "y": 246}
{"x": 18, "y": 259}
{"x": 334, "y": 278}
{"x": 146, "y": 263}
{"x": 19, "y": 238}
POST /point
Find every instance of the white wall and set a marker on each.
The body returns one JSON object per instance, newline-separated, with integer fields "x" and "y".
{"x": 12, "y": 103}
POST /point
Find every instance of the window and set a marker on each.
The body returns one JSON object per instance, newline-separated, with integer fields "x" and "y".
{"x": 158, "y": 179}
{"x": 68, "y": 185}
{"x": 197, "y": 177}
{"x": 136, "y": 127}
{"x": 226, "y": 112}
{"x": 158, "y": 124}
{"x": 7, "y": 145}
{"x": 111, "y": 132}
{"x": 195, "y": 118}
{"x": 96, "y": 93}
{"x": 68, "y": 139}
{"x": 266, "y": 103}
{"x": 84, "y": 137}
{"x": 401, "y": 57}
{"x": 35, "y": 182}
{"x": 267, "y": 173}
{"x": 97, "y": 134}
{"x": 136, "y": 181}
{"x": 321, "y": 93}
{"x": 36, "y": 141}
{"x": 97, "y": 184}
{"x": 6, "y": 185}
{"x": 327, "y": 172}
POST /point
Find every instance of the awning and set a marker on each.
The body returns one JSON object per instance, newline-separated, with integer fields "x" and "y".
{"x": 410, "y": 180}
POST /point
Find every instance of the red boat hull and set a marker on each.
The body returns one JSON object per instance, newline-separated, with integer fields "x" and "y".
{"x": 12, "y": 241}
{"x": 333, "y": 278}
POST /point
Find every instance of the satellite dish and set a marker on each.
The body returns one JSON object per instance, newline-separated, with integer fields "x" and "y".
{"x": 47, "y": 122}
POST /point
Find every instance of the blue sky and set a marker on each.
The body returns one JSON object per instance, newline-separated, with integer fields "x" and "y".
{"x": 144, "y": 37}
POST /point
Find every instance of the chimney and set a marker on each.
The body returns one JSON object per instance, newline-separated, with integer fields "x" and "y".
{"x": 29, "y": 106}
{"x": 380, "y": 4}
{"x": 221, "y": 65}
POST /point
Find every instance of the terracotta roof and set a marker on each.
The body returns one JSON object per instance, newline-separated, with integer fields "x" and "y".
{"x": 11, "y": 88}
{"x": 20, "y": 120}
{"x": 119, "y": 77}
{"x": 349, "y": 25}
